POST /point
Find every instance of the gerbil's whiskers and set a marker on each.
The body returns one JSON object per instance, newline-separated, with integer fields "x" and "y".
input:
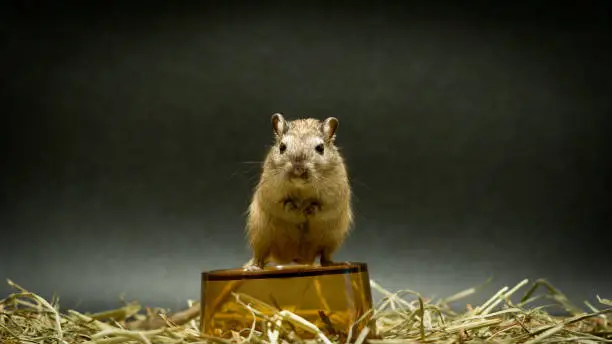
{"x": 270, "y": 177}
{"x": 248, "y": 170}
{"x": 359, "y": 182}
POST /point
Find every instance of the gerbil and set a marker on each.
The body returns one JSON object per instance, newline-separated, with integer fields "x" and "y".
{"x": 301, "y": 206}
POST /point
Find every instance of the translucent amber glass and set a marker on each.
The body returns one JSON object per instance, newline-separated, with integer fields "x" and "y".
{"x": 333, "y": 298}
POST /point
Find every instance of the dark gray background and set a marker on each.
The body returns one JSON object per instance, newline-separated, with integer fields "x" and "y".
{"x": 476, "y": 138}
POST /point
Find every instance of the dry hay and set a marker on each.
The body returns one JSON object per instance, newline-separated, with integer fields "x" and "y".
{"x": 401, "y": 317}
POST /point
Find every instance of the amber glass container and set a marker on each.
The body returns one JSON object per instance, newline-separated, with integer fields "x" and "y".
{"x": 336, "y": 299}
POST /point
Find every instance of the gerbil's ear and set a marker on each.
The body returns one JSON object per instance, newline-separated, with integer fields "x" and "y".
{"x": 329, "y": 127}
{"x": 279, "y": 124}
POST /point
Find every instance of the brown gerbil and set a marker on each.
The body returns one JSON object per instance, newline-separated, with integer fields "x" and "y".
{"x": 301, "y": 207}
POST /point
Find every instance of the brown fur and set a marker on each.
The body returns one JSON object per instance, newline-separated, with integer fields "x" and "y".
{"x": 300, "y": 221}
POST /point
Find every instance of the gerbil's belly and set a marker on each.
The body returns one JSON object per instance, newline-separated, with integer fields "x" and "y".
{"x": 294, "y": 248}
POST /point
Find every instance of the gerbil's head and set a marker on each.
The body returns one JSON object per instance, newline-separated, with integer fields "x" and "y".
{"x": 304, "y": 149}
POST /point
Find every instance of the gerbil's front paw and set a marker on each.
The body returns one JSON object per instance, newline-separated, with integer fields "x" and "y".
{"x": 312, "y": 208}
{"x": 289, "y": 205}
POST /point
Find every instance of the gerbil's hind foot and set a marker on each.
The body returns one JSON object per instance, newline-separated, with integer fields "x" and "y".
{"x": 332, "y": 263}
{"x": 252, "y": 265}
{"x": 252, "y": 268}
{"x": 326, "y": 260}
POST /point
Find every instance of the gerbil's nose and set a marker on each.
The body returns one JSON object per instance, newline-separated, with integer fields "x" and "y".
{"x": 299, "y": 170}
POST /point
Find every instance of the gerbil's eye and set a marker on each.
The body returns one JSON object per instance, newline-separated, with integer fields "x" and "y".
{"x": 320, "y": 148}
{"x": 282, "y": 148}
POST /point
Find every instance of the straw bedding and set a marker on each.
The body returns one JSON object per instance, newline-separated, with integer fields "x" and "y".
{"x": 401, "y": 317}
